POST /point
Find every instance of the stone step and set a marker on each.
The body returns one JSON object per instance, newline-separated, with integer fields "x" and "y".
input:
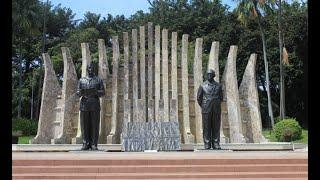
{"x": 130, "y": 162}
{"x": 220, "y": 175}
{"x": 162, "y": 168}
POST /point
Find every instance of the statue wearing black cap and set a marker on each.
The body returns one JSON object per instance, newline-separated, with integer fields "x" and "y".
{"x": 209, "y": 98}
{"x": 90, "y": 88}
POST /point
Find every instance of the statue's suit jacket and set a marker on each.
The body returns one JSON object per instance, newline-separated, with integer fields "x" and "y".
{"x": 90, "y": 102}
{"x": 208, "y": 95}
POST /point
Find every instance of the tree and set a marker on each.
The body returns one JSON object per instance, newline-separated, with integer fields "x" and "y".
{"x": 24, "y": 24}
{"x": 253, "y": 9}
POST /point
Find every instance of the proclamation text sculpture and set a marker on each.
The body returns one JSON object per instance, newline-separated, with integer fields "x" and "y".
{"x": 90, "y": 88}
{"x": 209, "y": 97}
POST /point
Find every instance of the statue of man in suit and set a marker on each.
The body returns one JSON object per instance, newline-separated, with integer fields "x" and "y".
{"x": 209, "y": 98}
{"x": 90, "y": 88}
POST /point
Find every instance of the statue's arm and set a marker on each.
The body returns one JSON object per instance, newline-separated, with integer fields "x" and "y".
{"x": 220, "y": 93}
{"x": 101, "y": 91}
{"x": 200, "y": 95}
{"x": 79, "y": 90}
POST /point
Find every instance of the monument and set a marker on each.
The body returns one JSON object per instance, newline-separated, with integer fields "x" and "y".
{"x": 151, "y": 87}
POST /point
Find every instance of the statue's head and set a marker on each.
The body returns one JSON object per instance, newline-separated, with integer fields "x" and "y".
{"x": 210, "y": 75}
{"x": 90, "y": 69}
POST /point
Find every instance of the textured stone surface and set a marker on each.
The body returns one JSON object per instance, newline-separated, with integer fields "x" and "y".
{"x": 213, "y": 59}
{"x": 249, "y": 99}
{"x": 173, "y": 110}
{"x": 126, "y": 65}
{"x": 188, "y": 137}
{"x": 232, "y": 97}
{"x": 157, "y": 72}
{"x": 86, "y": 59}
{"x": 159, "y": 135}
{"x": 174, "y": 74}
{"x": 50, "y": 91}
{"x": 135, "y": 76}
{"x": 111, "y": 139}
{"x": 197, "y": 76}
{"x": 165, "y": 79}
{"x": 150, "y": 71}
{"x": 150, "y": 110}
{"x": 103, "y": 73}
{"x": 213, "y": 63}
{"x": 142, "y": 53}
{"x": 70, "y": 101}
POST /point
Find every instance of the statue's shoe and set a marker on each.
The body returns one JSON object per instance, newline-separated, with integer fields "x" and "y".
{"x": 216, "y": 146}
{"x": 94, "y": 148}
{"x": 85, "y": 147}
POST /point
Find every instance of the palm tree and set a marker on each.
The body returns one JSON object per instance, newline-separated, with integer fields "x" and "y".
{"x": 253, "y": 9}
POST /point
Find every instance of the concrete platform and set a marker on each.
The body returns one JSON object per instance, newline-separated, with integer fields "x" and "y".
{"x": 274, "y": 146}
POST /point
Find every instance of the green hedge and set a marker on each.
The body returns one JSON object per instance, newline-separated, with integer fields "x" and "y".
{"x": 287, "y": 130}
{"x": 27, "y": 126}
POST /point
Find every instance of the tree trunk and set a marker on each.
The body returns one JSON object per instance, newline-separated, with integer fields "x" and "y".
{"x": 266, "y": 71}
{"x": 282, "y": 94}
{"x": 20, "y": 80}
{"x": 31, "y": 108}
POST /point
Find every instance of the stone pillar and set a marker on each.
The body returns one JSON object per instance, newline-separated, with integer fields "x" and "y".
{"x": 103, "y": 73}
{"x": 50, "y": 91}
{"x": 70, "y": 100}
{"x": 213, "y": 63}
{"x": 197, "y": 76}
{"x": 135, "y": 77}
{"x": 141, "y": 113}
{"x": 165, "y": 79}
{"x": 126, "y": 68}
{"x": 143, "y": 73}
{"x": 157, "y": 72}
{"x": 188, "y": 137}
{"x": 173, "y": 110}
{"x": 150, "y": 72}
{"x": 174, "y": 73}
{"x": 249, "y": 99}
{"x": 232, "y": 97}
{"x": 111, "y": 138}
{"x": 86, "y": 60}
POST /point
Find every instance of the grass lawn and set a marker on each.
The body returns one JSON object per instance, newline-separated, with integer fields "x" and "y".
{"x": 272, "y": 138}
{"x": 24, "y": 139}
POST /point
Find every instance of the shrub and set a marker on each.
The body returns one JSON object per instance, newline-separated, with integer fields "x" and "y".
{"x": 287, "y": 130}
{"x": 27, "y": 126}
{"x": 278, "y": 119}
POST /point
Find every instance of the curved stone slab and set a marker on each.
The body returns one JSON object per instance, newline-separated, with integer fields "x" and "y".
{"x": 50, "y": 91}
{"x": 249, "y": 100}
{"x": 230, "y": 86}
{"x": 70, "y": 101}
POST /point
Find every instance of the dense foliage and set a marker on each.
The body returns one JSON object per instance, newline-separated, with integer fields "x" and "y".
{"x": 26, "y": 126}
{"x": 210, "y": 20}
{"x": 287, "y": 130}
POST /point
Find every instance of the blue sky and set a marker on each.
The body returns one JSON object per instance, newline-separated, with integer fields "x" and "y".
{"x": 113, "y": 7}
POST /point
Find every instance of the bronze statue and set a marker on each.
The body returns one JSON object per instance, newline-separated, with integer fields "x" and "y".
{"x": 209, "y": 98}
{"x": 90, "y": 88}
